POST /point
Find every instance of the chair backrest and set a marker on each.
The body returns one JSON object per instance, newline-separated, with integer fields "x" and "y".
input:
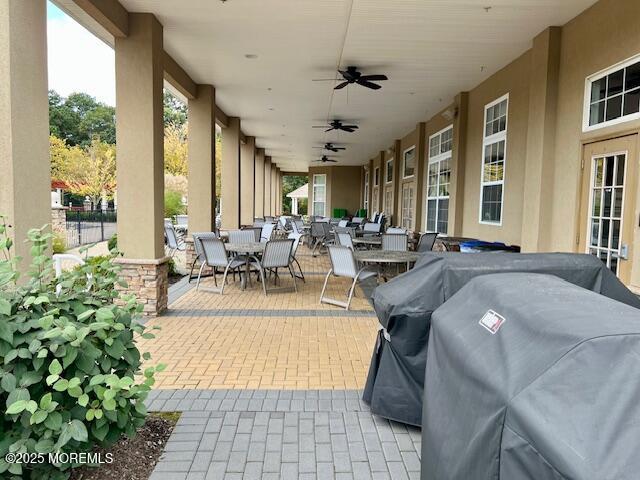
{"x": 399, "y": 230}
{"x": 257, "y": 231}
{"x": 258, "y": 222}
{"x": 215, "y": 255}
{"x": 343, "y": 262}
{"x": 299, "y": 225}
{"x": 197, "y": 245}
{"x": 343, "y": 223}
{"x": 182, "y": 220}
{"x": 381, "y": 218}
{"x": 374, "y": 219}
{"x": 269, "y": 219}
{"x": 267, "y": 231}
{"x": 171, "y": 235}
{"x": 295, "y": 236}
{"x": 426, "y": 242}
{"x": 328, "y": 230}
{"x": 345, "y": 239}
{"x": 317, "y": 230}
{"x": 283, "y": 221}
{"x": 277, "y": 253}
{"x": 396, "y": 242}
{"x": 371, "y": 227}
{"x": 357, "y": 220}
{"x": 324, "y": 220}
{"x": 241, "y": 236}
{"x": 294, "y": 227}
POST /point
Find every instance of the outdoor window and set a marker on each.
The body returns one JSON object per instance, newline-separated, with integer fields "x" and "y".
{"x": 366, "y": 190}
{"x": 494, "y": 147}
{"x": 389, "y": 173}
{"x": 407, "y": 206}
{"x": 613, "y": 96}
{"x": 438, "y": 180}
{"x": 409, "y": 164}
{"x": 376, "y": 176}
{"x": 319, "y": 194}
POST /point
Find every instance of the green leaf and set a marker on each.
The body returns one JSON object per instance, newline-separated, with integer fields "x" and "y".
{"x": 75, "y": 392}
{"x": 11, "y": 355}
{"x": 52, "y": 379}
{"x": 44, "y": 445}
{"x": 78, "y": 431}
{"x": 53, "y": 421}
{"x": 61, "y": 385}
{"x": 5, "y": 309}
{"x": 17, "y": 394}
{"x": 96, "y": 379}
{"x": 31, "y": 406}
{"x": 18, "y": 407}
{"x": 74, "y": 382}
{"x": 55, "y": 368}
{"x": 86, "y": 314}
{"x": 69, "y": 357}
{"x": 6, "y": 333}
{"x": 109, "y": 404}
{"x": 8, "y": 382}
{"x": 90, "y": 415}
{"x": 83, "y": 400}
{"x": 45, "y": 401}
{"x": 104, "y": 314}
{"x": 30, "y": 378}
{"x": 38, "y": 417}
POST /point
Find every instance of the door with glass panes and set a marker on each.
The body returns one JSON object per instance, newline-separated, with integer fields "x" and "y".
{"x": 607, "y": 218}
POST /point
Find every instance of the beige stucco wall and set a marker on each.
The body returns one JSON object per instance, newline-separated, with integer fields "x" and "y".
{"x": 341, "y": 190}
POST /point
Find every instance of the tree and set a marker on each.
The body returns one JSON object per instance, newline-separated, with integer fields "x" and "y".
{"x": 79, "y": 118}
{"x": 289, "y": 184}
{"x": 89, "y": 171}
{"x": 175, "y": 111}
{"x": 175, "y": 149}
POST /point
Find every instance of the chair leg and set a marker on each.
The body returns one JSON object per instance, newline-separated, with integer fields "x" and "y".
{"x": 353, "y": 287}
{"x": 293, "y": 275}
{"x": 200, "y": 275}
{"x": 299, "y": 267}
{"x": 324, "y": 287}
{"x": 193, "y": 265}
{"x": 264, "y": 281}
{"x": 224, "y": 278}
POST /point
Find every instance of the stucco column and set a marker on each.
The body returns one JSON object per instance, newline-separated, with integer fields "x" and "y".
{"x": 202, "y": 174}
{"x": 247, "y": 180}
{"x": 259, "y": 183}
{"x": 421, "y": 151}
{"x": 543, "y": 99}
{"x": 274, "y": 190}
{"x": 230, "y": 180}
{"x": 459, "y": 148}
{"x": 267, "y": 186}
{"x": 397, "y": 182}
{"x": 25, "y": 170}
{"x": 140, "y": 162}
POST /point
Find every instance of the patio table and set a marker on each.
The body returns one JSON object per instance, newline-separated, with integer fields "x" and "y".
{"x": 368, "y": 241}
{"x": 387, "y": 256}
{"x": 251, "y": 250}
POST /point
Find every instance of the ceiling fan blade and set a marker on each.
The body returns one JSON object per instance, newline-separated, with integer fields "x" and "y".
{"x": 372, "y": 86}
{"x": 319, "y": 126}
{"x": 339, "y": 148}
{"x": 330, "y": 129}
{"x": 341, "y": 85}
{"x": 324, "y": 79}
{"x": 350, "y": 130}
{"x": 332, "y": 161}
{"x": 376, "y": 78}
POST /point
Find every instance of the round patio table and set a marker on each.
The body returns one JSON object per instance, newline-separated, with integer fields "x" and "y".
{"x": 251, "y": 250}
{"x": 387, "y": 256}
{"x": 368, "y": 241}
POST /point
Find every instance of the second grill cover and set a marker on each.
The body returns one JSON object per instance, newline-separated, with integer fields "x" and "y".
{"x": 531, "y": 377}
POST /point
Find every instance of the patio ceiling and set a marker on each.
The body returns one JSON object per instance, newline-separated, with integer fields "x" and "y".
{"x": 430, "y": 49}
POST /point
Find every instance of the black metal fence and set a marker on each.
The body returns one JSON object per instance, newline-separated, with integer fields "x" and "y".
{"x": 85, "y": 227}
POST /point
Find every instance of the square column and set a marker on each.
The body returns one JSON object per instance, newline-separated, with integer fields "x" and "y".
{"x": 259, "y": 183}
{"x": 140, "y": 161}
{"x": 274, "y": 188}
{"x": 247, "y": 181}
{"x": 230, "y": 180}
{"x": 25, "y": 168}
{"x": 267, "y": 186}
{"x": 202, "y": 154}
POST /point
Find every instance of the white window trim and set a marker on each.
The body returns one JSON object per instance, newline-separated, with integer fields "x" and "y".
{"x": 313, "y": 187}
{"x": 586, "y": 106}
{"x": 386, "y": 167}
{"x": 436, "y": 159}
{"x": 404, "y": 155}
{"x": 406, "y": 187}
{"x": 496, "y": 137}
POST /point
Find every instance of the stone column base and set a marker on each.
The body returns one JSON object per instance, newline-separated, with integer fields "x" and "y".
{"x": 59, "y": 219}
{"x": 190, "y": 256}
{"x": 148, "y": 281}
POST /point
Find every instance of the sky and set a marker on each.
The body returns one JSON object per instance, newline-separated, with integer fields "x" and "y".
{"x": 78, "y": 60}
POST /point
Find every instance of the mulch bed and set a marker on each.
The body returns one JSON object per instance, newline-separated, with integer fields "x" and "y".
{"x": 175, "y": 278}
{"x": 133, "y": 459}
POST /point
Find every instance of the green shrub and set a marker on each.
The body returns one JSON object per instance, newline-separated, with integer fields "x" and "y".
{"x": 68, "y": 361}
{"x": 112, "y": 244}
{"x": 173, "y": 204}
{"x": 173, "y": 269}
{"x": 58, "y": 243}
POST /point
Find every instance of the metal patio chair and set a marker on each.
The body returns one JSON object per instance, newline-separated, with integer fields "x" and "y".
{"x": 242, "y": 236}
{"x": 371, "y": 228}
{"x": 173, "y": 242}
{"x": 343, "y": 223}
{"x": 426, "y": 242}
{"x": 197, "y": 246}
{"x": 345, "y": 239}
{"x": 277, "y": 254}
{"x": 396, "y": 242}
{"x": 396, "y": 230}
{"x": 319, "y": 236}
{"x": 216, "y": 256}
{"x": 343, "y": 264}
{"x": 267, "y": 232}
{"x": 296, "y": 237}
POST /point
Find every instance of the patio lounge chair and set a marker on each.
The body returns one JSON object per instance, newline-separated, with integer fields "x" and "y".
{"x": 216, "y": 256}
{"x": 426, "y": 242}
{"x": 277, "y": 254}
{"x": 396, "y": 242}
{"x": 343, "y": 264}
{"x": 173, "y": 242}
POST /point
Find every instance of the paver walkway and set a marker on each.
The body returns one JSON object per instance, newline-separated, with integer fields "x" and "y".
{"x": 271, "y": 434}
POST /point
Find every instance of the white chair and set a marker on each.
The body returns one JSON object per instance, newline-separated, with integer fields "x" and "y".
{"x": 267, "y": 232}
{"x": 396, "y": 242}
{"x": 343, "y": 264}
{"x": 296, "y": 237}
{"x": 343, "y": 223}
{"x": 371, "y": 228}
{"x": 182, "y": 221}
{"x": 426, "y": 242}
{"x": 277, "y": 254}
{"x": 173, "y": 242}
{"x": 345, "y": 239}
{"x": 396, "y": 230}
{"x": 321, "y": 236}
{"x": 242, "y": 236}
{"x": 197, "y": 246}
{"x": 216, "y": 256}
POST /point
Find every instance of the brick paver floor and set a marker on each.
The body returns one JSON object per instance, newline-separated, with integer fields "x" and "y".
{"x": 270, "y": 434}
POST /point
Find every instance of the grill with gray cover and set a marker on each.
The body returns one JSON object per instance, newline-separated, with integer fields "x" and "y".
{"x": 550, "y": 392}
{"x": 404, "y": 305}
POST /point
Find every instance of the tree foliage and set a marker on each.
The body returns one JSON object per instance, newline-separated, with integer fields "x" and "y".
{"x": 80, "y": 118}
{"x": 175, "y": 111}
{"x": 289, "y": 184}
{"x": 175, "y": 149}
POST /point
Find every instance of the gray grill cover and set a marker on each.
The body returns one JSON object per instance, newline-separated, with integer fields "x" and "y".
{"x": 404, "y": 305}
{"x": 552, "y": 395}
